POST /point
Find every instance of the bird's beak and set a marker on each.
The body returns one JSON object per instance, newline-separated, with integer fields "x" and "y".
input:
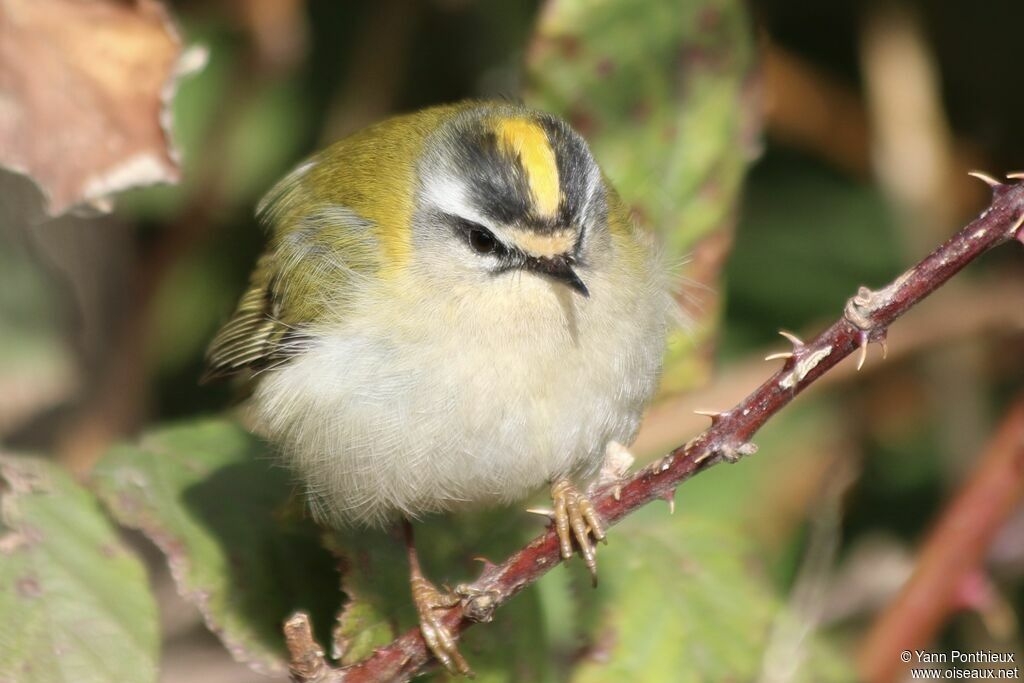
{"x": 558, "y": 268}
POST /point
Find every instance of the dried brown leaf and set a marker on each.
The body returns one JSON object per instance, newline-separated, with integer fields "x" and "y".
{"x": 84, "y": 92}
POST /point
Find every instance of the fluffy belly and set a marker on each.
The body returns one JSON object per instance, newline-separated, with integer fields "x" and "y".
{"x": 466, "y": 399}
{"x": 377, "y": 431}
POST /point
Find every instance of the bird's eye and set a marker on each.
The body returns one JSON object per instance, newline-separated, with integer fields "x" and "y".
{"x": 482, "y": 241}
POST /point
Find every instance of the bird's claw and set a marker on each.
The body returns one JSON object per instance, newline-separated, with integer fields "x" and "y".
{"x": 576, "y": 519}
{"x": 430, "y": 604}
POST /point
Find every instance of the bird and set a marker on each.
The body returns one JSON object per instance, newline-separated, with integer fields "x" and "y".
{"x": 454, "y": 309}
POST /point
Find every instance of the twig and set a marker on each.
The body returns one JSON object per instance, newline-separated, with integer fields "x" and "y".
{"x": 954, "y": 551}
{"x": 866, "y": 319}
{"x": 307, "y": 658}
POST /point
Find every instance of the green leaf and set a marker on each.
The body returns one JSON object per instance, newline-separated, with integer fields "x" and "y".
{"x": 75, "y": 604}
{"x": 661, "y": 92}
{"x": 376, "y": 583}
{"x": 681, "y": 599}
{"x": 514, "y": 647}
{"x": 211, "y": 497}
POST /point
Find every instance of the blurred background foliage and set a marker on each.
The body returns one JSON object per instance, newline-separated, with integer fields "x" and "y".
{"x": 858, "y": 121}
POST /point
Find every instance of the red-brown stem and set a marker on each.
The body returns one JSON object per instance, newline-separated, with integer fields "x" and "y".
{"x": 867, "y": 318}
{"x": 955, "y": 549}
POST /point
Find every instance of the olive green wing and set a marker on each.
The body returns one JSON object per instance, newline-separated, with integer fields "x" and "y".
{"x": 254, "y": 336}
{"x": 319, "y": 255}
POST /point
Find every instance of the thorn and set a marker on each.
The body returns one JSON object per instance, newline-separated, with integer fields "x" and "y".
{"x": 863, "y": 342}
{"x": 705, "y": 456}
{"x": 543, "y": 512}
{"x": 862, "y": 355}
{"x": 985, "y": 178}
{"x": 715, "y": 415}
{"x": 1016, "y": 175}
{"x": 488, "y": 565}
{"x": 782, "y": 355}
{"x": 670, "y": 498}
{"x": 1016, "y": 231}
{"x": 796, "y": 341}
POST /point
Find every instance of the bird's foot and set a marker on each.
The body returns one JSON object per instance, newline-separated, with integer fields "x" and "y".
{"x": 430, "y": 605}
{"x": 576, "y": 520}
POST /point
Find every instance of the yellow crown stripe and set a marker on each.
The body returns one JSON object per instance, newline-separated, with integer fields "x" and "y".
{"x": 525, "y": 139}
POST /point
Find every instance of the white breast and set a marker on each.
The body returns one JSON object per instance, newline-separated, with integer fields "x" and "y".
{"x": 427, "y": 403}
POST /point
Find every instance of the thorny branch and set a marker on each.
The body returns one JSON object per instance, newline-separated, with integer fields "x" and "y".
{"x": 866, "y": 319}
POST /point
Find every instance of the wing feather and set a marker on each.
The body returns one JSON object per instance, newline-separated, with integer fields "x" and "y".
{"x": 319, "y": 255}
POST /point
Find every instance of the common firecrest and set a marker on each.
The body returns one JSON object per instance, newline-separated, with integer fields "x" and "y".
{"x": 454, "y": 309}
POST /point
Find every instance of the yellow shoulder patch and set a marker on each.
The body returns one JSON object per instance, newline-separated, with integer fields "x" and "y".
{"x": 525, "y": 139}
